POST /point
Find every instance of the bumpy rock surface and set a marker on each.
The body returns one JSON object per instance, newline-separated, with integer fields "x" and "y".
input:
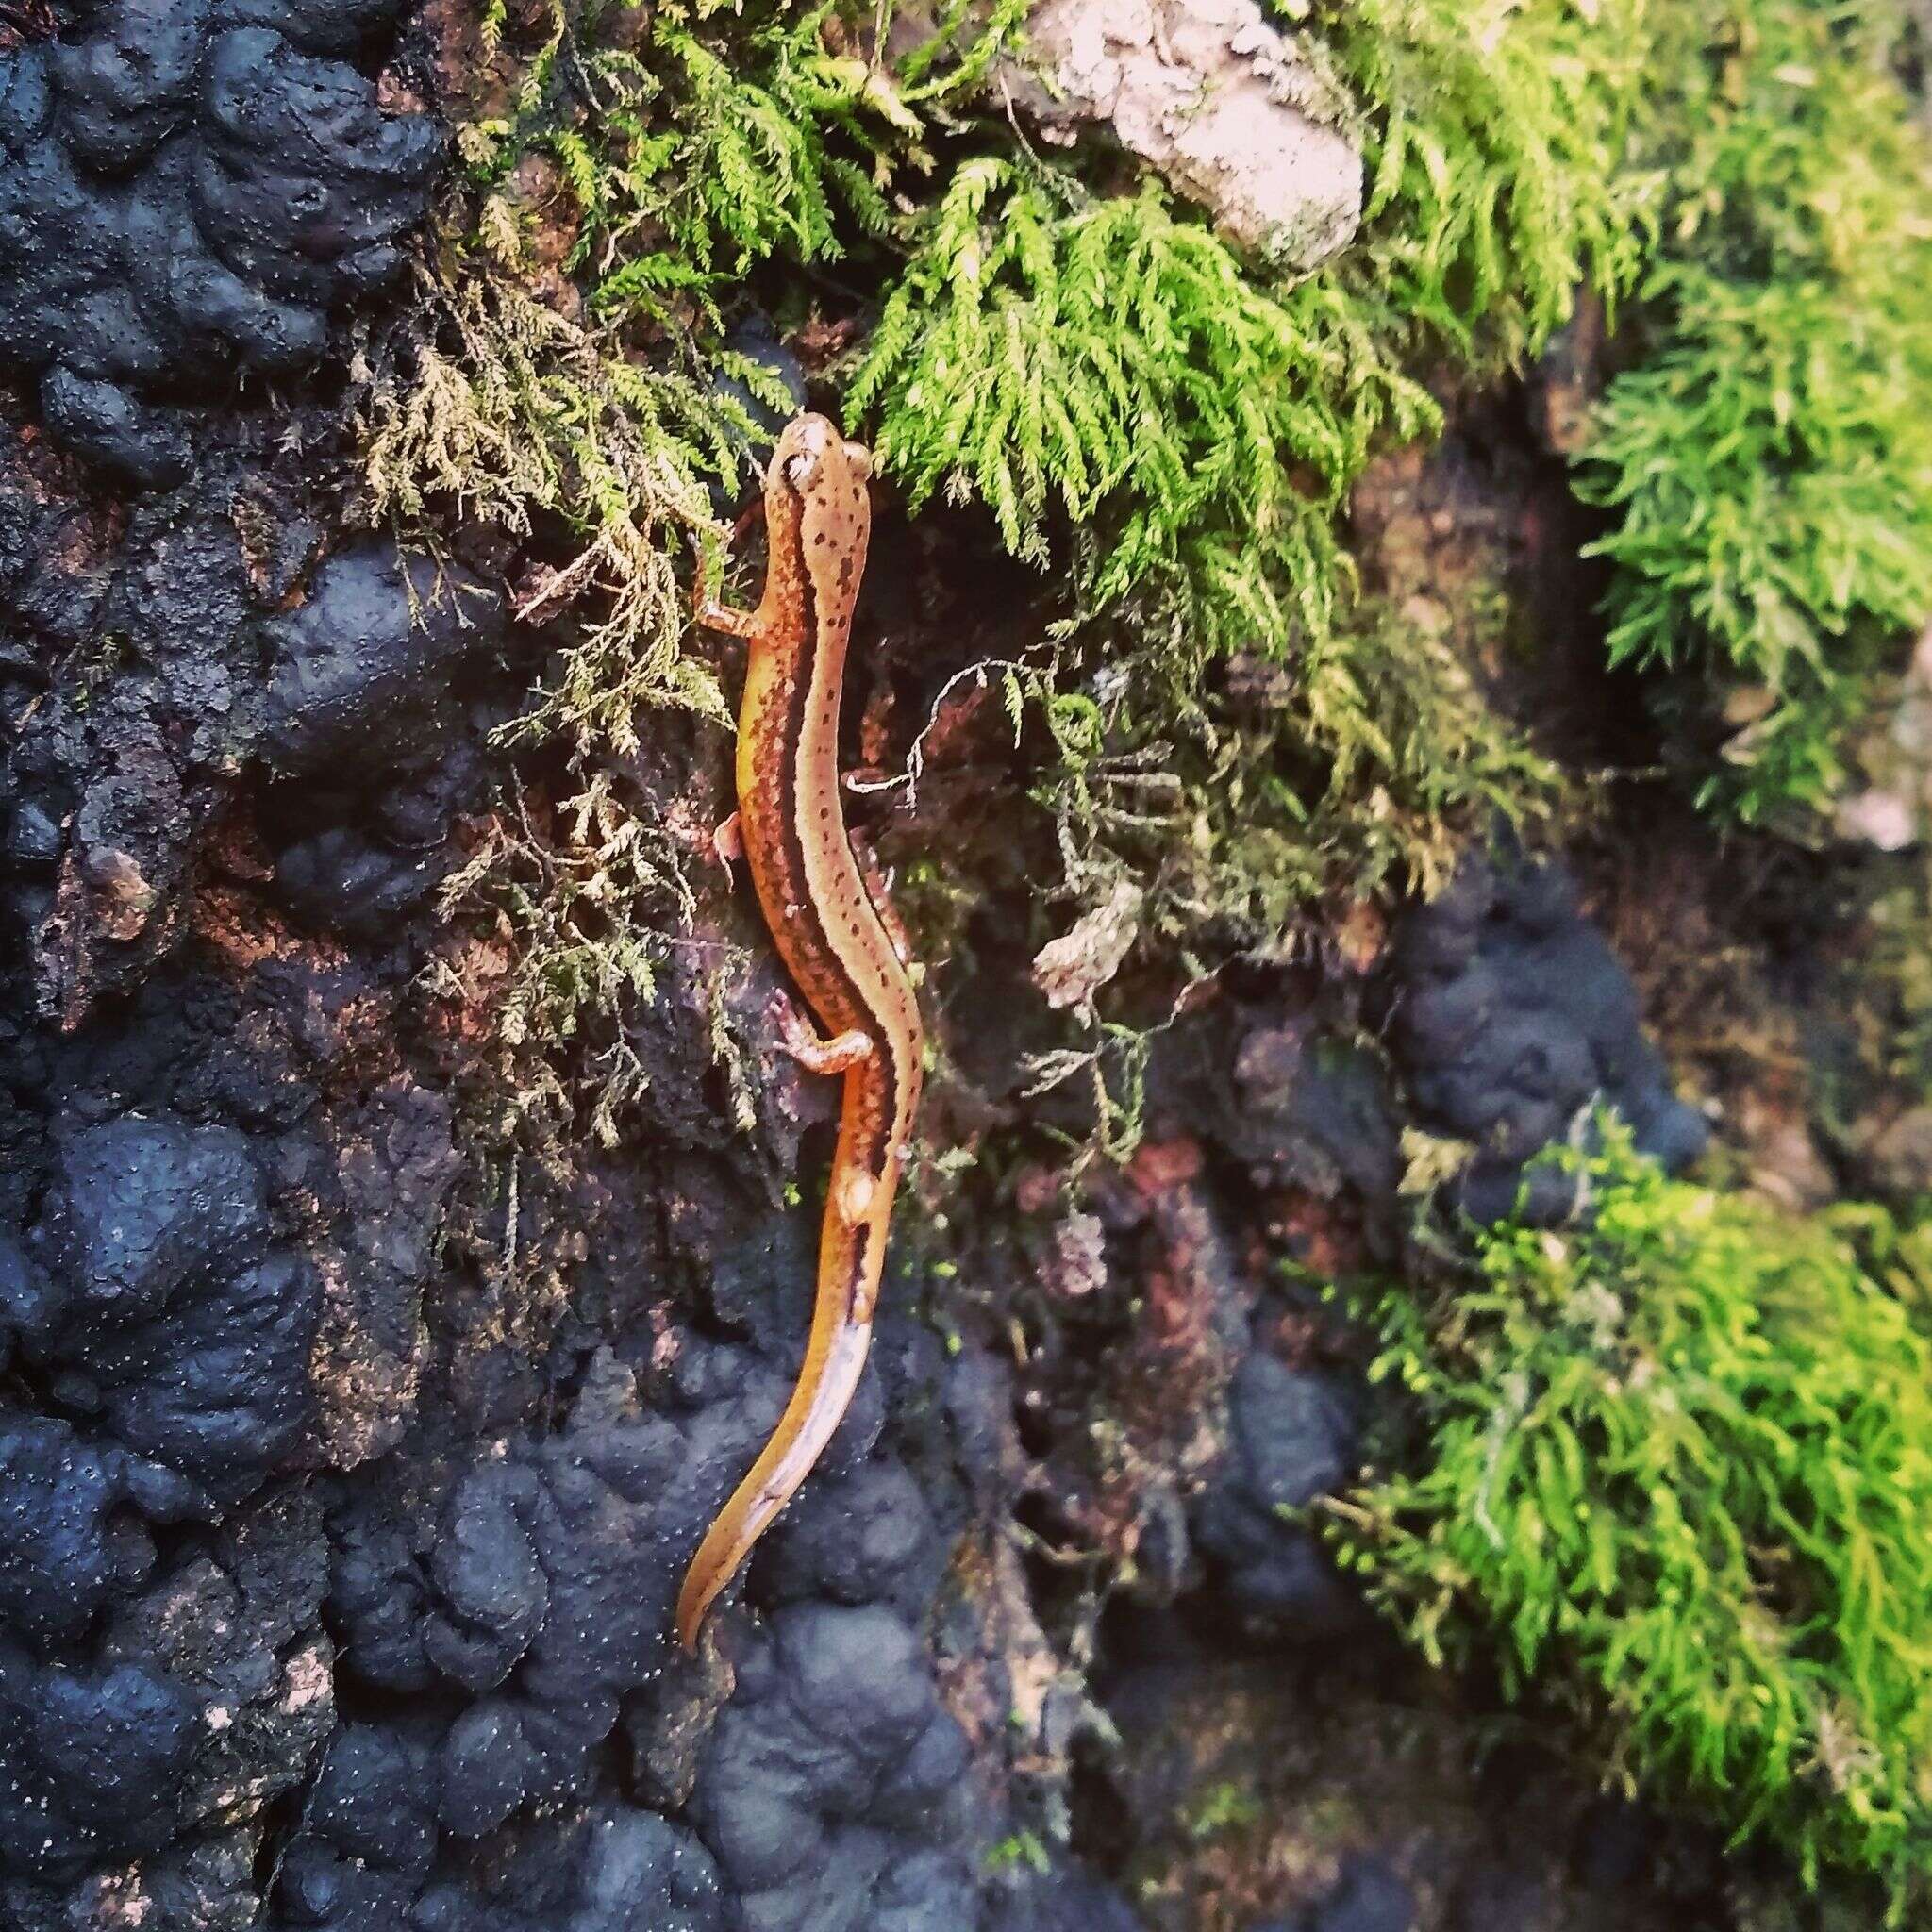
{"x": 1292, "y": 1439}
{"x": 372, "y": 741}
{"x": 1369, "y": 1897}
{"x": 1513, "y": 1019}
{"x": 157, "y": 1298}
{"x": 191, "y": 189}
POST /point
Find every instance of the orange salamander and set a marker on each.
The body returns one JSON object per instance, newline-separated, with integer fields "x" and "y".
{"x": 834, "y": 938}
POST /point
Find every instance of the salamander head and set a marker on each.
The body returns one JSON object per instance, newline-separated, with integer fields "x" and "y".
{"x": 818, "y": 465}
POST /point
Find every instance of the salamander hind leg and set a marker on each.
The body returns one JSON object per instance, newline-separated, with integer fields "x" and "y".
{"x": 839, "y": 1055}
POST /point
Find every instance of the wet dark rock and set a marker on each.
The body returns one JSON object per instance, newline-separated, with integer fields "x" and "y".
{"x": 363, "y": 1862}
{"x": 317, "y": 26}
{"x": 1292, "y": 1438}
{"x": 759, "y": 1283}
{"x": 1295, "y": 1106}
{"x": 760, "y": 1289}
{"x": 547, "y": 1592}
{"x": 222, "y": 1393}
{"x": 183, "y": 1202}
{"x": 360, "y": 701}
{"x": 389, "y": 846}
{"x": 204, "y": 1884}
{"x": 379, "y": 1591}
{"x": 1616, "y": 1842}
{"x": 1063, "y": 1899}
{"x": 367, "y": 1840}
{"x": 156, "y": 1301}
{"x": 33, "y": 838}
{"x": 73, "y": 1526}
{"x": 374, "y": 748}
{"x": 142, "y": 1208}
{"x": 1511, "y": 1018}
{"x": 832, "y": 1789}
{"x": 91, "y": 1759}
{"x": 352, "y": 1279}
{"x": 866, "y": 1537}
{"x": 360, "y": 672}
{"x": 612, "y": 1870}
{"x": 142, "y": 711}
{"x": 344, "y": 881}
{"x": 52, "y": 571}
{"x": 144, "y": 442}
{"x": 209, "y": 1694}
{"x": 835, "y": 1791}
{"x": 188, "y": 189}
{"x": 1368, "y": 1897}
{"x": 1499, "y": 1898}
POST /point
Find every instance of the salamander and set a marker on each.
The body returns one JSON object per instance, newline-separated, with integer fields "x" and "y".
{"x": 835, "y": 938}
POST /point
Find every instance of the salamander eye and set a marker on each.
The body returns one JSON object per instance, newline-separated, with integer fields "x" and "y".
{"x": 802, "y": 469}
{"x": 861, "y": 458}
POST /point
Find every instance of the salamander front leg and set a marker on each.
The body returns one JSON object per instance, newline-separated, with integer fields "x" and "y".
{"x": 709, "y": 612}
{"x": 712, "y": 615}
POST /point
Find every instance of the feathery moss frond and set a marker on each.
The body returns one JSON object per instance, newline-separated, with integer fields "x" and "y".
{"x": 1497, "y": 158}
{"x": 486, "y": 398}
{"x": 1769, "y": 463}
{"x": 1071, "y": 359}
{"x": 1675, "y": 1472}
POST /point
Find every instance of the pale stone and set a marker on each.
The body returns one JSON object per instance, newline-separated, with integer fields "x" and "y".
{"x": 1224, "y": 106}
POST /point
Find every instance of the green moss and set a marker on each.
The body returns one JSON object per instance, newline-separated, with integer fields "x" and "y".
{"x": 485, "y": 402}
{"x": 1173, "y": 426}
{"x": 689, "y": 144}
{"x": 1497, "y": 145}
{"x": 1173, "y": 430}
{"x": 1168, "y": 428}
{"x": 1768, "y": 463}
{"x": 1356, "y": 770}
{"x": 1675, "y": 1473}
{"x": 1111, "y": 359}
{"x": 698, "y": 140}
{"x": 1222, "y": 1807}
{"x": 1106, "y": 363}
{"x": 594, "y": 902}
{"x": 686, "y": 162}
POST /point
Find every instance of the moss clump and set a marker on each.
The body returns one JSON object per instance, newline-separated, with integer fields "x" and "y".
{"x": 1172, "y": 425}
{"x": 1170, "y": 430}
{"x": 1768, "y": 462}
{"x": 1359, "y": 769}
{"x": 1675, "y": 1475}
{"x": 1176, "y": 429}
{"x": 593, "y": 899}
{"x": 564, "y": 376}
{"x": 566, "y": 363}
{"x": 1107, "y": 361}
{"x": 694, "y": 142}
{"x": 1111, "y": 359}
{"x": 1497, "y": 148}
{"x": 485, "y": 401}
